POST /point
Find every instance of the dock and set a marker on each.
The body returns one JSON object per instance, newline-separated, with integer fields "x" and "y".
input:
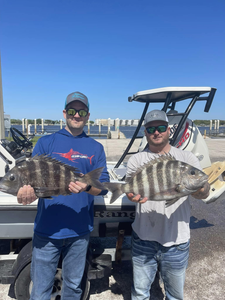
{"x": 114, "y": 148}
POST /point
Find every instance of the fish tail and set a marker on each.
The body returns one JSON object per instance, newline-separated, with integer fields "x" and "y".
{"x": 92, "y": 178}
{"x": 115, "y": 188}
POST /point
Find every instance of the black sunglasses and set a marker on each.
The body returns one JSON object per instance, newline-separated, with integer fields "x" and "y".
{"x": 160, "y": 128}
{"x": 73, "y": 111}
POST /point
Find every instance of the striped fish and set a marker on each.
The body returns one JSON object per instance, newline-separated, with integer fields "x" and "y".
{"x": 163, "y": 178}
{"x": 48, "y": 176}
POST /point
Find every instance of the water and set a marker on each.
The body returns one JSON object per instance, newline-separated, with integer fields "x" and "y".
{"x": 128, "y": 131}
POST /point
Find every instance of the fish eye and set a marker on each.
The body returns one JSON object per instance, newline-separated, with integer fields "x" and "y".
{"x": 11, "y": 177}
{"x": 192, "y": 172}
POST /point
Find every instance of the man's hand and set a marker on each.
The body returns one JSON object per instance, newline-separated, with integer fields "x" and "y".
{"x": 77, "y": 187}
{"x": 26, "y": 195}
{"x": 203, "y": 192}
{"x": 136, "y": 198}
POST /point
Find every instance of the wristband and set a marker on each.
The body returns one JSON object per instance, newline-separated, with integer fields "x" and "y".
{"x": 88, "y": 188}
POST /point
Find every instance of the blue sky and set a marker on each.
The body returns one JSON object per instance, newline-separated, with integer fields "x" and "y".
{"x": 108, "y": 50}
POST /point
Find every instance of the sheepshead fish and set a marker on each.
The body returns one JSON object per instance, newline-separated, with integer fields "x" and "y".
{"x": 48, "y": 176}
{"x": 163, "y": 178}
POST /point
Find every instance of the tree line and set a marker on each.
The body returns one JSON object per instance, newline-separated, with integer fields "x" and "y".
{"x": 207, "y": 122}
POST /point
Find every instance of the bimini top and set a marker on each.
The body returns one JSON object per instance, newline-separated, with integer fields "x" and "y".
{"x": 174, "y": 93}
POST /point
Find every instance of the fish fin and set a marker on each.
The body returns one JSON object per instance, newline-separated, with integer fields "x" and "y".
{"x": 49, "y": 159}
{"x": 92, "y": 178}
{"x": 171, "y": 202}
{"x": 115, "y": 188}
{"x": 178, "y": 188}
{"x": 155, "y": 160}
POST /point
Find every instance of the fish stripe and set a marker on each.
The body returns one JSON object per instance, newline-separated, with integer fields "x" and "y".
{"x": 139, "y": 183}
{"x": 146, "y": 183}
{"x": 130, "y": 187}
{"x": 52, "y": 178}
{"x": 155, "y": 180}
{"x": 44, "y": 170}
{"x": 135, "y": 185}
{"x": 56, "y": 176}
{"x": 151, "y": 187}
{"x": 55, "y": 169}
{"x": 160, "y": 169}
{"x": 32, "y": 175}
{"x": 62, "y": 181}
{"x": 169, "y": 173}
{"x": 176, "y": 166}
{"x": 68, "y": 178}
{"x": 26, "y": 174}
{"x": 164, "y": 175}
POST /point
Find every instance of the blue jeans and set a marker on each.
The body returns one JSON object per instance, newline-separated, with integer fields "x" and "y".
{"x": 46, "y": 254}
{"x": 147, "y": 257}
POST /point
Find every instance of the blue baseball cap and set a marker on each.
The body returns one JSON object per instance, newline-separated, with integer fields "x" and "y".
{"x": 77, "y": 96}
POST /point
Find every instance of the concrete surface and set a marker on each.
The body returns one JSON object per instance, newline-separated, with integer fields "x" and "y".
{"x": 205, "y": 277}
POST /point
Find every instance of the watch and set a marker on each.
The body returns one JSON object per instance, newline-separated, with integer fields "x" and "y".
{"x": 88, "y": 188}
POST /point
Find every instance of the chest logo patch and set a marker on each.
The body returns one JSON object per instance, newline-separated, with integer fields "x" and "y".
{"x": 73, "y": 155}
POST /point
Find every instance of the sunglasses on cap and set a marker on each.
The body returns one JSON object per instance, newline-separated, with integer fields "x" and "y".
{"x": 73, "y": 111}
{"x": 160, "y": 128}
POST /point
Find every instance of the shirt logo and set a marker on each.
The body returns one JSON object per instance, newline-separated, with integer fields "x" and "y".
{"x": 73, "y": 155}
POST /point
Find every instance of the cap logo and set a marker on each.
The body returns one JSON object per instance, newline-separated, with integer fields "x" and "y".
{"x": 77, "y": 95}
{"x": 154, "y": 115}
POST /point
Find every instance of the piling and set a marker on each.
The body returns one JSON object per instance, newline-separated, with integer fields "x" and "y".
{"x": 23, "y": 126}
{"x": 109, "y": 120}
{"x": 204, "y": 133}
{"x": 35, "y": 126}
{"x": 42, "y": 126}
{"x": 26, "y": 126}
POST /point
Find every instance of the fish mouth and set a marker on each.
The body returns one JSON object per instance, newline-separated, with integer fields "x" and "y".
{"x": 203, "y": 181}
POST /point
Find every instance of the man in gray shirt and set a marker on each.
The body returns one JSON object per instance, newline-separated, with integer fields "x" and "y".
{"x": 161, "y": 234}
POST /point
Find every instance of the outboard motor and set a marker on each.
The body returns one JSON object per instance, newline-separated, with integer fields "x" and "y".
{"x": 189, "y": 139}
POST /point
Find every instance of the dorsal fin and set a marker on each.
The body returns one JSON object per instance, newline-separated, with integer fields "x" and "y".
{"x": 155, "y": 160}
{"x": 49, "y": 159}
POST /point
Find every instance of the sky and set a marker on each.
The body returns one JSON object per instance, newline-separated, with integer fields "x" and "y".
{"x": 108, "y": 50}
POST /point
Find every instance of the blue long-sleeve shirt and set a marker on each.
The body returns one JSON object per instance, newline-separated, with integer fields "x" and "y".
{"x": 69, "y": 216}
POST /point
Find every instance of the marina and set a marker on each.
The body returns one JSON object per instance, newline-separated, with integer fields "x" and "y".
{"x": 126, "y": 131}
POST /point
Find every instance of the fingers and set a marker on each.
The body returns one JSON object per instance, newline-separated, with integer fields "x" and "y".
{"x": 207, "y": 187}
{"x": 26, "y": 195}
{"x": 77, "y": 187}
{"x": 136, "y": 198}
{"x": 203, "y": 192}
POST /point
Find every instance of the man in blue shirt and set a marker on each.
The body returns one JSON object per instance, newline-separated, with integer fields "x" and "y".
{"x": 63, "y": 225}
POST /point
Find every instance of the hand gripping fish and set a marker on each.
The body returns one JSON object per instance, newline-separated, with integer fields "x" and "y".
{"x": 162, "y": 179}
{"x": 48, "y": 176}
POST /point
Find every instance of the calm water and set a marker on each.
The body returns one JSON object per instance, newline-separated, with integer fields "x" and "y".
{"x": 128, "y": 131}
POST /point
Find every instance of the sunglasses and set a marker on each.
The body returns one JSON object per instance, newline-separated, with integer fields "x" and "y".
{"x": 160, "y": 128}
{"x": 73, "y": 111}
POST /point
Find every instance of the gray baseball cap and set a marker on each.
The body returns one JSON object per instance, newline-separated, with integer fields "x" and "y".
{"x": 155, "y": 115}
{"x": 77, "y": 96}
